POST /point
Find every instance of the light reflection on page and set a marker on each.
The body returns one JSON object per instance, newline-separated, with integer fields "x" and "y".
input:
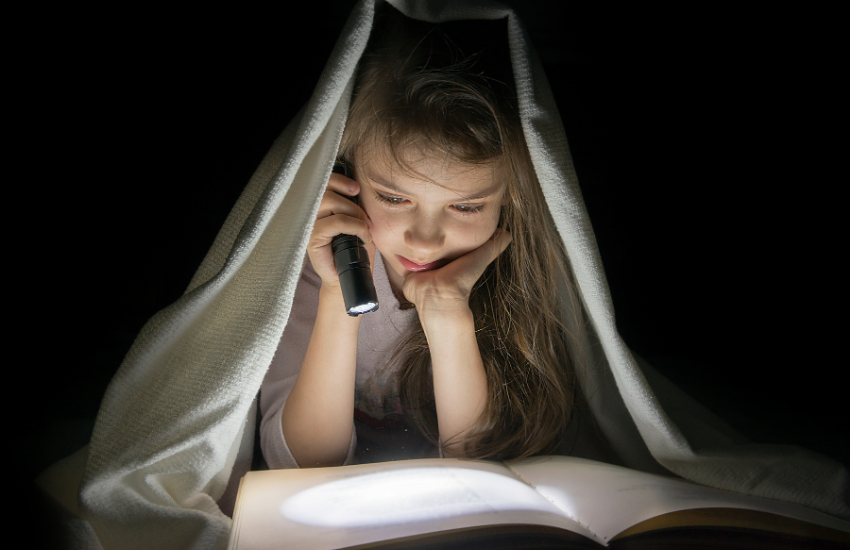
{"x": 409, "y": 495}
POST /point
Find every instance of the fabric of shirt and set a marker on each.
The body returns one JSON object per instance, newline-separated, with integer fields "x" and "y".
{"x": 380, "y": 431}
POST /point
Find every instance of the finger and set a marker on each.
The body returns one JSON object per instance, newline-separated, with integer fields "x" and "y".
{"x": 474, "y": 263}
{"x": 343, "y": 184}
{"x": 493, "y": 248}
{"x": 334, "y": 203}
{"x": 325, "y": 229}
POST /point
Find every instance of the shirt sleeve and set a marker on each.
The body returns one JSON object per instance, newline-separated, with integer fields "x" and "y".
{"x": 284, "y": 370}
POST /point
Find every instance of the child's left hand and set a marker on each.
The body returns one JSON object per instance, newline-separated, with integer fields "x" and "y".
{"x": 445, "y": 291}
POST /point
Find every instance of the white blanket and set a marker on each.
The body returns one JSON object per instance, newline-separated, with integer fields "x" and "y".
{"x": 173, "y": 418}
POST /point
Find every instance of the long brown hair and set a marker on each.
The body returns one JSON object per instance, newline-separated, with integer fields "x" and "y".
{"x": 418, "y": 87}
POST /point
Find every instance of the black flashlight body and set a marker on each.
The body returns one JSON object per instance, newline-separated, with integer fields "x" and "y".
{"x": 353, "y": 267}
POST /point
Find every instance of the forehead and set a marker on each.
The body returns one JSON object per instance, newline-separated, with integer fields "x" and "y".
{"x": 416, "y": 174}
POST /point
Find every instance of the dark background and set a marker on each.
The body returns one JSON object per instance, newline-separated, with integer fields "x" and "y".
{"x": 703, "y": 139}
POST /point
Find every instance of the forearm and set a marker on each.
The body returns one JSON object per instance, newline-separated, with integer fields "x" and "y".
{"x": 318, "y": 416}
{"x": 460, "y": 382}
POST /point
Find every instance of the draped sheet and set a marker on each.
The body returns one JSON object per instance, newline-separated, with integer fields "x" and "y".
{"x": 175, "y": 428}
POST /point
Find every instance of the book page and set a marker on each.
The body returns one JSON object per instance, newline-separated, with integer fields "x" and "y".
{"x": 609, "y": 499}
{"x": 236, "y": 524}
{"x": 350, "y": 505}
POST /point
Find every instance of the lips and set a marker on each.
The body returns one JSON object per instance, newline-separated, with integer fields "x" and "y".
{"x": 413, "y": 266}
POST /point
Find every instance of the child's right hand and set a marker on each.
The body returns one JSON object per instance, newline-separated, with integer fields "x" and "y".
{"x": 337, "y": 214}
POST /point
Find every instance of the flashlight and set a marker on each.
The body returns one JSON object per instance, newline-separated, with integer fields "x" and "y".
{"x": 353, "y": 267}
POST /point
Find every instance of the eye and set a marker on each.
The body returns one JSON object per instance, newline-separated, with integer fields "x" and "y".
{"x": 393, "y": 201}
{"x": 467, "y": 209}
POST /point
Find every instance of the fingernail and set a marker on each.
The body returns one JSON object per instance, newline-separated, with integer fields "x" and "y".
{"x": 352, "y": 187}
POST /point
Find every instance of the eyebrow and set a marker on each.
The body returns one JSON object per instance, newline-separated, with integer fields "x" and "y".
{"x": 392, "y": 187}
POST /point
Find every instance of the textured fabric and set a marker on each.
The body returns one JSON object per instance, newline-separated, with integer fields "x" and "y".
{"x": 168, "y": 436}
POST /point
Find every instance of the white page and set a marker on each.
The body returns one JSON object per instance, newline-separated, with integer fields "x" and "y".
{"x": 350, "y": 505}
{"x": 236, "y": 524}
{"x": 609, "y": 499}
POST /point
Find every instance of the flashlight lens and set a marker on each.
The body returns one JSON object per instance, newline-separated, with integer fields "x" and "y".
{"x": 365, "y": 308}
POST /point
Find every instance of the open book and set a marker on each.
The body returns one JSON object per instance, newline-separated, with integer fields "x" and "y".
{"x": 543, "y": 502}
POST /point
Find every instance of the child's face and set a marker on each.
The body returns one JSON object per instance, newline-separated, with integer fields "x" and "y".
{"x": 428, "y": 223}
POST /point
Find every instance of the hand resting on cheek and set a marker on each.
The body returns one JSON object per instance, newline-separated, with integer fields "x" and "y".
{"x": 446, "y": 290}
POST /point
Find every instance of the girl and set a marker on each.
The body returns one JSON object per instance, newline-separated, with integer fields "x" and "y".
{"x": 466, "y": 354}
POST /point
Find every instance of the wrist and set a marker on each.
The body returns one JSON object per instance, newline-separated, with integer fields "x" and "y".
{"x": 446, "y": 320}
{"x": 331, "y": 290}
{"x": 332, "y": 301}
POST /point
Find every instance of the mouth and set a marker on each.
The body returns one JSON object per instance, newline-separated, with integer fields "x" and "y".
{"x": 413, "y": 266}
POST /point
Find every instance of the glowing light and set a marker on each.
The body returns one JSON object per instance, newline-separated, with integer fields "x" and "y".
{"x": 409, "y": 495}
{"x": 561, "y": 498}
{"x": 368, "y": 306}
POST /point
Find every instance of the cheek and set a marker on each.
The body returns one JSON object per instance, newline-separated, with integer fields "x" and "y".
{"x": 371, "y": 210}
{"x": 383, "y": 229}
{"x": 472, "y": 234}
{"x": 381, "y": 222}
{"x": 487, "y": 226}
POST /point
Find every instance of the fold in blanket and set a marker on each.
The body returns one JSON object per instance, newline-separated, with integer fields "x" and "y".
{"x": 176, "y": 424}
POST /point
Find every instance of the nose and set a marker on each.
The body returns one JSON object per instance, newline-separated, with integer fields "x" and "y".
{"x": 425, "y": 235}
